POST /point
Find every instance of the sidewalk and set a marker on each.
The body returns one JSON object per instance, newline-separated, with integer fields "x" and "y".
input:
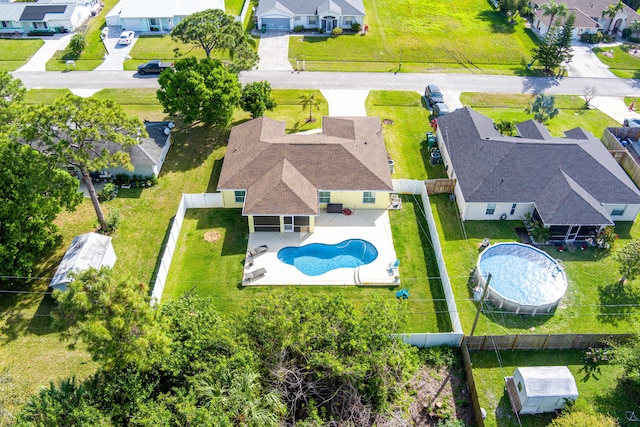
{"x": 38, "y": 61}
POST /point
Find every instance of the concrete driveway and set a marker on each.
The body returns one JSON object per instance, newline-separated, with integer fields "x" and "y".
{"x": 274, "y": 52}
{"x": 38, "y": 61}
{"x": 349, "y": 103}
{"x": 585, "y": 63}
{"x": 117, "y": 54}
{"x": 614, "y": 107}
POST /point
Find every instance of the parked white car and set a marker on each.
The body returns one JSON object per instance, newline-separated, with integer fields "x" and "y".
{"x": 126, "y": 37}
{"x": 631, "y": 123}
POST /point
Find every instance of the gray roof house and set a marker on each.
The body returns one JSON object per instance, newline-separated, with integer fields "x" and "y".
{"x": 86, "y": 251}
{"x": 46, "y": 15}
{"x": 285, "y": 15}
{"x": 148, "y": 157}
{"x": 572, "y": 184}
{"x": 272, "y": 175}
{"x": 156, "y": 15}
{"x": 589, "y": 19}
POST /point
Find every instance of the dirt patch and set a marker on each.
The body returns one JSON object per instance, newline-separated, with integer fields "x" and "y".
{"x": 387, "y": 122}
{"x": 211, "y": 236}
{"x": 441, "y": 394}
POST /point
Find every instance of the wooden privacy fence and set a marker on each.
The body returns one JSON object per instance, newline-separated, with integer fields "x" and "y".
{"x": 541, "y": 341}
{"x": 610, "y": 138}
{"x": 439, "y": 186}
{"x": 471, "y": 383}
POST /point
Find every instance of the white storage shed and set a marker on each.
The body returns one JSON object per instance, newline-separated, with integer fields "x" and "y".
{"x": 86, "y": 251}
{"x": 541, "y": 389}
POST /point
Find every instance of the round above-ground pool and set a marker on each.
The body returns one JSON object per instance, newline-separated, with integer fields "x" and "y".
{"x": 524, "y": 279}
{"x": 318, "y": 258}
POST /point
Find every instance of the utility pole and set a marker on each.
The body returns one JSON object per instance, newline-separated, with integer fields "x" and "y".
{"x": 484, "y": 295}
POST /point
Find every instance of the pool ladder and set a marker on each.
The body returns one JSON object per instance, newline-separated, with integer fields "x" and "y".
{"x": 556, "y": 270}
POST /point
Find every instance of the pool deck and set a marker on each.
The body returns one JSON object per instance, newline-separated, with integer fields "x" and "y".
{"x": 371, "y": 225}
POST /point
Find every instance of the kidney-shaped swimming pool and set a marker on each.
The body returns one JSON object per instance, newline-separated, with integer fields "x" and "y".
{"x": 318, "y": 258}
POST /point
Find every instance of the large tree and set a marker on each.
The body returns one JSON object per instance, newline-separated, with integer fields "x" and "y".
{"x": 213, "y": 29}
{"x": 77, "y": 132}
{"x": 11, "y": 95}
{"x": 32, "y": 193}
{"x": 114, "y": 318}
{"x": 202, "y": 90}
{"x": 256, "y": 98}
{"x": 556, "y": 46}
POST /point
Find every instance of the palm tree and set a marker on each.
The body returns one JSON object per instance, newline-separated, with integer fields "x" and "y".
{"x": 309, "y": 100}
{"x": 554, "y": 9}
{"x": 543, "y": 108}
{"x": 611, "y": 11}
{"x": 635, "y": 27}
{"x": 239, "y": 394}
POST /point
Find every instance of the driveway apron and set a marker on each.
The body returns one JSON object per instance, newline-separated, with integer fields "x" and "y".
{"x": 348, "y": 103}
{"x": 117, "y": 54}
{"x": 38, "y": 61}
{"x": 585, "y": 63}
{"x": 274, "y": 52}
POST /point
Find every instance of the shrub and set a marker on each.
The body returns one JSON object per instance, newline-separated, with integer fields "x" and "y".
{"x": 298, "y": 28}
{"x": 626, "y": 33}
{"x": 77, "y": 44}
{"x": 438, "y": 356}
{"x": 108, "y": 192}
{"x": 592, "y": 38}
{"x": 356, "y": 27}
{"x": 336, "y": 32}
{"x": 321, "y": 30}
{"x": 113, "y": 219}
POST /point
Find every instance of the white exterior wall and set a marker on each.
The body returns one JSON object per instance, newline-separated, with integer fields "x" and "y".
{"x": 630, "y": 213}
{"x": 477, "y": 211}
{"x": 138, "y": 24}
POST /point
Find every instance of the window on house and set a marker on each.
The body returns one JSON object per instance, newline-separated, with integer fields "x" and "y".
{"x": 153, "y": 21}
{"x": 324, "y": 196}
{"x": 348, "y": 20}
{"x": 513, "y": 209}
{"x": 312, "y": 20}
{"x": 618, "y": 210}
{"x": 369, "y": 197}
{"x": 4, "y": 24}
{"x": 240, "y": 196}
{"x": 519, "y": 386}
{"x": 491, "y": 208}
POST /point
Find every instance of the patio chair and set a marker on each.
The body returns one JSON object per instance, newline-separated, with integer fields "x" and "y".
{"x": 393, "y": 266}
{"x": 631, "y": 416}
{"x": 249, "y": 276}
{"x": 257, "y": 250}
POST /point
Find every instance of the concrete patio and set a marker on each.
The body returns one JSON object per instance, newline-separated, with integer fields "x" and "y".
{"x": 370, "y": 225}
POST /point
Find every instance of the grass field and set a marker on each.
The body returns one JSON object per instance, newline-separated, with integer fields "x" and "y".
{"x": 598, "y": 390}
{"x": 419, "y": 35}
{"x": 15, "y": 53}
{"x": 511, "y": 107}
{"x": 621, "y": 62}
{"x": 405, "y": 138}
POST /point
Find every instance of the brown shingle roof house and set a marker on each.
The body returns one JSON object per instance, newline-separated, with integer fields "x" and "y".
{"x": 270, "y": 173}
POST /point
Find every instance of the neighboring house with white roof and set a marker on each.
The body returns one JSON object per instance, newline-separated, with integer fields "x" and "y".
{"x": 156, "y": 15}
{"x": 89, "y": 250}
{"x": 52, "y": 16}
{"x": 572, "y": 184}
{"x": 285, "y": 15}
{"x": 589, "y": 19}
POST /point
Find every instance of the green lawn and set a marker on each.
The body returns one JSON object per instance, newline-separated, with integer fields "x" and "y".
{"x": 621, "y": 62}
{"x": 234, "y": 7}
{"x": 290, "y": 110}
{"x": 405, "y": 138}
{"x": 420, "y": 35}
{"x": 15, "y": 53}
{"x": 215, "y": 269}
{"x": 93, "y": 54}
{"x": 594, "y": 303}
{"x": 598, "y": 389}
{"x": 44, "y": 96}
{"x": 511, "y": 107}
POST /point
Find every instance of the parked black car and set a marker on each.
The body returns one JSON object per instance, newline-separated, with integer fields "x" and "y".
{"x": 433, "y": 94}
{"x": 154, "y": 67}
{"x": 440, "y": 109}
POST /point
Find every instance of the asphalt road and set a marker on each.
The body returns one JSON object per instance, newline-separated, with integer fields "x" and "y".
{"x": 321, "y": 80}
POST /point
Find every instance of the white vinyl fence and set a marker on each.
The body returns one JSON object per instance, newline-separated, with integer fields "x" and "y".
{"x": 188, "y": 201}
{"x": 243, "y": 14}
{"x": 406, "y": 186}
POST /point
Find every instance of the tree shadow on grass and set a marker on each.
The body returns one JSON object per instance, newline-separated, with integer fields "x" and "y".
{"x": 497, "y": 21}
{"x": 617, "y": 401}
{"x": 192, "y": 146}
{"x": 618, "y": 302}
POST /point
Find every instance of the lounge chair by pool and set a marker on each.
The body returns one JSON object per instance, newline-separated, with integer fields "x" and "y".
{"x": 257, "y": 250}
{"x": 249, "y": 276}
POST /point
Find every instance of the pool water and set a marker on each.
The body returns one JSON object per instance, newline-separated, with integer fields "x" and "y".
{"x": 523, "y": 274}
{"x": 318, "y": 258}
